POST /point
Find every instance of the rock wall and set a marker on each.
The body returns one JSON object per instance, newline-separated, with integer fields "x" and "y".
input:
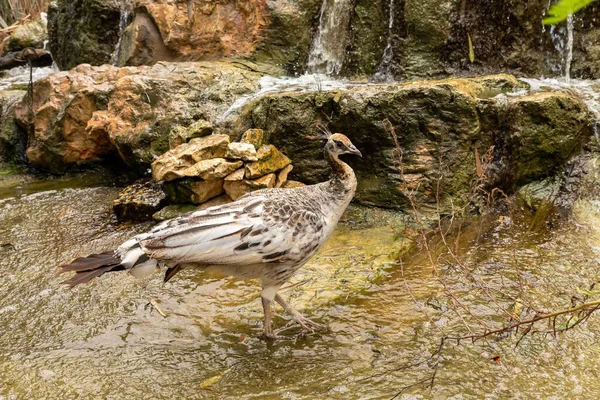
{"x": 427, "y": 38}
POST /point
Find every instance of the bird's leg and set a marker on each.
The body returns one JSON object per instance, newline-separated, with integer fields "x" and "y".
{"x": 266, "y": 303}
{"x": 306, "y": 324}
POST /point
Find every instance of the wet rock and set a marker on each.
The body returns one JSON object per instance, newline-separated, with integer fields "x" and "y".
{"x": 236, "y": 189}
{"x": 192, "y": 190}
{"x": 536, "y": 193}
{"x": 241, "y": 151}
{"x": 269, "y": 160}
{"x": 255, "y": 137}
{"x": 33, "y": 35}
{"x": 141, "y": 43}
{"x": 282, "y": 175}
{"x": 237, "y": 175}
{"x": 139, "y": 201}
{"x": 541, "y": 131}
{"x": 134, "y": 110}
{"x": 13, "y": 139}
{"x": 180, "y": 135}
{"x": 438, "y": 124}
{"x": 83, "y": 31}
{"x": 173, "y": 163}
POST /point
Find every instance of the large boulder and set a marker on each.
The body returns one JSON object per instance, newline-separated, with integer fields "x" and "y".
{"x": 93, "y": 113}
{"x": 84, "y": 31}
{"x": 440, "y": 126}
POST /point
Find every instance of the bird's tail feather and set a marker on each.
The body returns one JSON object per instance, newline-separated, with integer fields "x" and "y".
{"x": 92, "y": 266}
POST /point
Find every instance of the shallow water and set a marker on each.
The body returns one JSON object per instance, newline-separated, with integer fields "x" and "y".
{"x": 104, "y": 340}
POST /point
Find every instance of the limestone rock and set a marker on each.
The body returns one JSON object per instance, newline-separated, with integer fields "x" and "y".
{"x": 241, "y": 151}
{"x": 214, "y": 168}
{"x": 141, "y": 105}
{"x": 237, "y": 175}
{"x": 192, "y": 190}
{"x": 180, "y": 135}
{"x": 139, "y": 201}
{"x": 282, "y": 175}
{"x": 269, "y": 160}
{"x": 236, "y": 189}
{"x": 173, "y": 163}
{"x": 255, "y": 137}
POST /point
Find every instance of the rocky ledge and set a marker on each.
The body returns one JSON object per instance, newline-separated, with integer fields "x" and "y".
{"x": 422, "y": 140}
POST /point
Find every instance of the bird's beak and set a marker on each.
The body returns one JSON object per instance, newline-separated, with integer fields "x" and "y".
{"x": 354, "y": 150}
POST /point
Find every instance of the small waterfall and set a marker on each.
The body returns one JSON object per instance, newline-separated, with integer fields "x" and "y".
{"x": 384, "y": 70}
{"x": 123, "y": 22}
{"x": 328, "y": 50}
{"x": 562, "y": 38}
{"x": 569, "y": 49}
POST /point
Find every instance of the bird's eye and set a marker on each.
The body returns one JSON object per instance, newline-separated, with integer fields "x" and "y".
{"x": 338, "y": 142}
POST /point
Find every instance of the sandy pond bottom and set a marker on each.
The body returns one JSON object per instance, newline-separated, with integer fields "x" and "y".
{"x": 103, "y": 340}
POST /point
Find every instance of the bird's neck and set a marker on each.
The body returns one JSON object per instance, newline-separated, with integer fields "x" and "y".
{"x": 343, "y": 175}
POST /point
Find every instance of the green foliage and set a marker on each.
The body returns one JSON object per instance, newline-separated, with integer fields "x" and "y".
{"x": 561, "y": 10}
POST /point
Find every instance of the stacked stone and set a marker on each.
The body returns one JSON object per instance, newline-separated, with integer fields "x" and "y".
{"x": 207, "y": 167}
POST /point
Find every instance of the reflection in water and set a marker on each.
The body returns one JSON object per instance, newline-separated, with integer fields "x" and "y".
{"x": 102, "y": 340}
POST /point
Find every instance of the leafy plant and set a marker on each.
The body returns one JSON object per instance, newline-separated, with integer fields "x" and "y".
{"x": 561, "y": 10}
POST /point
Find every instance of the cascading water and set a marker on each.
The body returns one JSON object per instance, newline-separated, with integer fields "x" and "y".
{"x": 562, "y": 37}
{"x": 384, "y": 70}
{"x": 569, "y": 49}
{"x": 123, "y": 22}
{"x": 328, "y": 50}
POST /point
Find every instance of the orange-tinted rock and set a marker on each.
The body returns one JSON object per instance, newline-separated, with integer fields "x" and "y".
{"x": 269, "y": 160}
{"x": 197, "y": 29}
{"x": 89, "y": 113}
{"x": 236, "y": 189}
{"x": 173, "y": 163}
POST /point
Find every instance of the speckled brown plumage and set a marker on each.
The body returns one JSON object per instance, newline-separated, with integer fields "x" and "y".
{"x": 268, "y": 234}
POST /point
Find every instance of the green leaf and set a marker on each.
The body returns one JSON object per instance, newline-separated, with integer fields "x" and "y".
{"x": 471, "y": 52}
{"x": 561, "y": 10}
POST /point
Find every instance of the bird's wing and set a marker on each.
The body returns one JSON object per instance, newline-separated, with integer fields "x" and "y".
{"x": 255, "y": 229}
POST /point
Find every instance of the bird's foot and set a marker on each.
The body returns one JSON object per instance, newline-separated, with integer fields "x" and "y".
{"x": 306, "y": 324}
{"x": 274, "y": 335}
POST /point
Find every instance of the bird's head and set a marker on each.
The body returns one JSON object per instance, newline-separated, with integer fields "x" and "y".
{"x": 338, "y": 144}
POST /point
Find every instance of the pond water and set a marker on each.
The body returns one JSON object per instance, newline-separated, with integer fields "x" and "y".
{"x": 385, "y": 319}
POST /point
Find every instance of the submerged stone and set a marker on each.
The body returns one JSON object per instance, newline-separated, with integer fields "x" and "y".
{"x": 139, "y": 201}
